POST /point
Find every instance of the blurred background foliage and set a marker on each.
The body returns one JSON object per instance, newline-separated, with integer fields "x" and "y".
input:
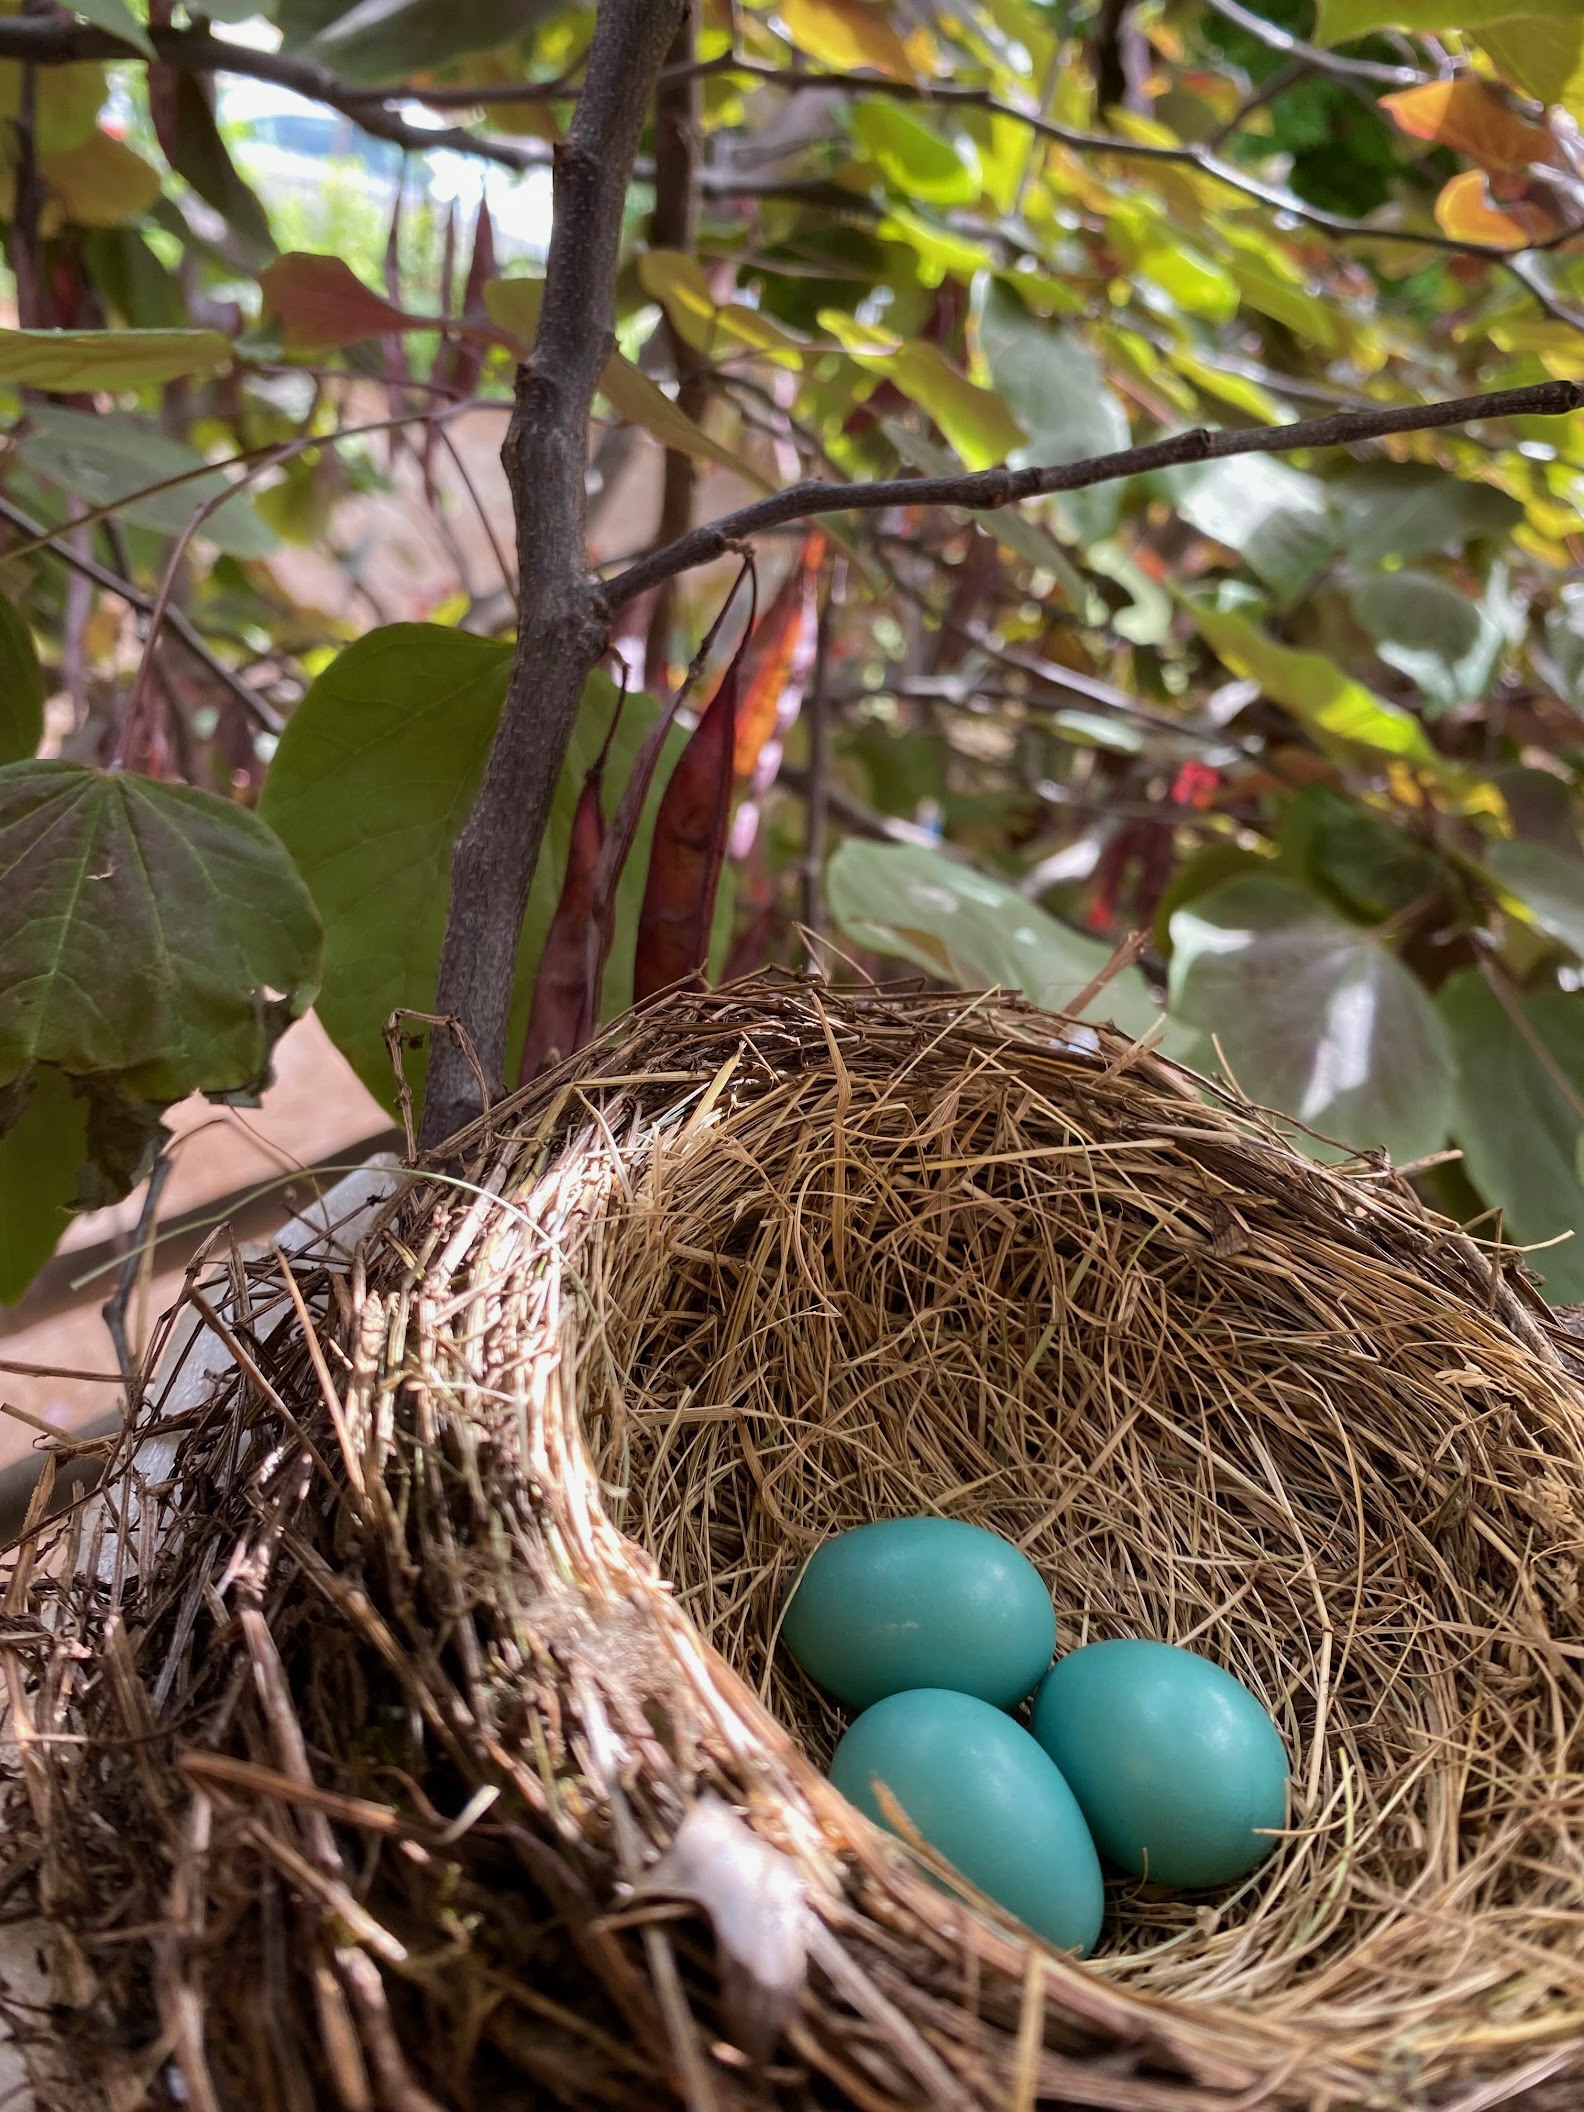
{"x": 1305, "y": 727}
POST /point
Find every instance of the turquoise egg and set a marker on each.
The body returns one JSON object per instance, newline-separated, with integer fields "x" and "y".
{"x": 977, "y": 1788}
{"x": 921, "y": 1602}
{"x": 1178, "y": 1769}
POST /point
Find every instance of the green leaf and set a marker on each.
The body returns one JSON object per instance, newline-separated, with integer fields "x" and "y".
{"x": 390, "y": 40}
{"x": 1408, "y": 509}
{"x": 1366, "y": 862}
{"x": 154, "y": 935}
{"x": 373, "y": 779}
{"x": 1517, "y": 1096}
{"x": 193, "y": 147}
{"x": 73, "y": 360}
{"x": 1548, "y": 883}
{"x": 1441, "y": 640}
{"x": 1276, "y": 518}
{"x": 40, "y": 1153}
{"x": 1564, "y": 637}
{"x": 1055, "y": 388}
{"x": 21, "y": 688}
{"x": 118, "y": 18}
{"x": 918, "y": 905}
{"x": 975, "y": 421}
{"x": 1313, "y": 1016}
{"x": 513, "y": 304}
{"x": 1341, "y": 21}
{"x": 921, "y": 162}
{"x": 1315, "y": 690}
{"x": 1542, "y": 55}
{"x": 104, "y": 459}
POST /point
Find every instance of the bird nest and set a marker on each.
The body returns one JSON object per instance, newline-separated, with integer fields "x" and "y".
{"x": 411, "y": 1731}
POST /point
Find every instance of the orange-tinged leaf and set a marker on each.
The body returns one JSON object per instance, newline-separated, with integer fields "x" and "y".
{"x": 847, "y": 35}
{"x": 323, "y": 306}
{"x": 672, "y": 945}
{"x": 1467, "y": 212}
{"x": 770, "y": 660}
{"x": 1468, "y": 115}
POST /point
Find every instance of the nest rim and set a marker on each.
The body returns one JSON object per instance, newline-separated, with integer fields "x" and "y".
{"x": 504, "y": 1306}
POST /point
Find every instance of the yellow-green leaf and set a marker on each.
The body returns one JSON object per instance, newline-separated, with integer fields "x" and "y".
{"x": 99, "y": 184}
{"x": 118, "y": 18}
{"x": 974, "y": 420}
{"x": 75, "y": 360}
{"x": 40, "y": 1151}
{"x": 513, "y": 304}
{"x": 1152, "y": 248}
{"x": 1315, "y": 690}
{"x": 921, "y": 161}
{"x": 847, "y": 35}
{"x": 69, "y": 99}
{"x": 1543, "y": 55}
{"x": 678, "y": 282}
{"x": 1339, "y": 21}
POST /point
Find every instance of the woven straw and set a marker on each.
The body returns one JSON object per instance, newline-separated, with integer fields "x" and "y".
{"x": 429, "y": 1711}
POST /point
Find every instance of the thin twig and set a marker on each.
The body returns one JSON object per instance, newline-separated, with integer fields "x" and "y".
{"x": 817, "y": 785}
{"x": 988, "y": 489}
{"x": 256, "y": 706}
{"x": 139, "y": 1253}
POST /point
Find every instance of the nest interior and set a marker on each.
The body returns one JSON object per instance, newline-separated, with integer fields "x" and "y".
{"x": 382, "y": 1711}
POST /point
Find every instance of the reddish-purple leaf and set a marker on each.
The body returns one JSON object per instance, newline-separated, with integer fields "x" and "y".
{"x": 460, "y": 360}
{"x": 323, "y": 306}
{"x": 688, "y": 850}
{"x": 629, "y": 809}
{"x": 566, "y": 983}
{"x": 398, "y": 368}
{"x": 557, "y": 1021}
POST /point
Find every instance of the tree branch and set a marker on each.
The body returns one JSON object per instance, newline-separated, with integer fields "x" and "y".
{"x": 672, "y": 225}
{"x": 1275, "y": 39}
{"x": 565, "y": 618}
{"x": 57, "y": 41}
{"x": 987, "y": 489}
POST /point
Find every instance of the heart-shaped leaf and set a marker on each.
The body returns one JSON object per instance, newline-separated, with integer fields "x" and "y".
{"x": 1313, "y": 1016}
{"x": 1548, "y": 883}
{"x": 1443, "y": 641}
{"x": 1275, "y": 517}
{"x": 371, "y": 784}
{"x": 1518, "y": 1114}
{"x": 154, "y": 935}
{"x": 21, "y": 688}
{"x": 918, "y": 905}
{"x": 43, "y": 1135}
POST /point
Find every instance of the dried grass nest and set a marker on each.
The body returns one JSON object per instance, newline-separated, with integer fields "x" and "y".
{"x": 400, "y": 1745}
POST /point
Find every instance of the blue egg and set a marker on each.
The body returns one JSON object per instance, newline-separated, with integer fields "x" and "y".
{"x": 978, "y": 1789}
{"x": 921, "y": 1602}
{"x": 1179, "y": 1771}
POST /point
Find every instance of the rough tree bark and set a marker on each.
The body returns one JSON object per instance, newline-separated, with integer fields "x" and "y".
{"x": 564, "y": 616}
